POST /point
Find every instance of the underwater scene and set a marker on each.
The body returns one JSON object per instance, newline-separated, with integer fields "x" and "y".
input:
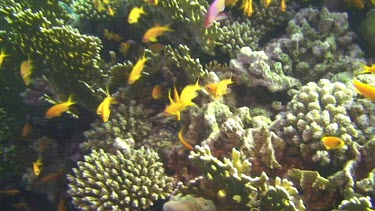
{"x": 187, "y": 105}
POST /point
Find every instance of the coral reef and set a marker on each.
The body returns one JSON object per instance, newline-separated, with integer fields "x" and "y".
{"x": 127, "y": 180}
{"x": 323, "y": 109}
{"x": 127, "y": 125}
{"x": 228, "y": 185}
{"x": 189, "y": 203}
{"x": 253, "y": 68}
{"x": 317, "y": 44}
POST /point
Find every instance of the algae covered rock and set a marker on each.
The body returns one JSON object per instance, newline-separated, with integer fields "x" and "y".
{"x": 127, "y": 180}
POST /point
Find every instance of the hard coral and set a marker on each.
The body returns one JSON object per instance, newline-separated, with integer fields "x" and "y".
{"x": 317, "y": 44}
{"x": 228, "y": 185}
{"x": 127, "y": 180}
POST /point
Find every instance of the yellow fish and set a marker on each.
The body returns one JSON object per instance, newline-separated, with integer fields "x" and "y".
{"x": 267, "y": 3}
{"x": 135, "y": 14}
{"x": 135, "y": 74}
{"x": 283, "y": 5}
{"x": 111, "y": 11}
{"x": 153, "y": 2}
{"x": 104, "y": 107}
{"x": 357, "y": 4}
{"x": 333, "y": 142}
{"x": 151, "y": 34}
{"x": 58, "y": 109}
{"x": 247, "y": 6}
{"x": 183, "y": 141}
{"x": 2, "y": 56}
{"x": 181, "y": 102}
{"x": 368, "y": 69}
{"x": 37, "y": 167}
{"x": 364, "y": 89}
{"x": 219, "y": 89}
{"x": 26, "y": 70}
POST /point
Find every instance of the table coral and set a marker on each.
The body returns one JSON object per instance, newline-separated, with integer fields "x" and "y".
{"x": 253, "y": 68}
{"x": 317, "y": 44}
{"x": 228, "y": 185}
{"x": 127, "y": 180}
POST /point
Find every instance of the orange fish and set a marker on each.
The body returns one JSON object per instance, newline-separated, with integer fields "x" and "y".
{"x": 52, "y": 177}
{"x": 156, "y": 92}
{"x": 26, "y": 70}
{"x": 183, "y": 141}
{"x": 333, "y": 142}
{"x": 125, "y": 46}
{"x": 364, "y": 89}
{"x": 357, "y": 4}
{"x": 151, "y": 34}
{"x": 11, "y": 192}
{"x": 26, "y": 130}
{"x": 59, "y": 108}
{"x": 135, "y": 74}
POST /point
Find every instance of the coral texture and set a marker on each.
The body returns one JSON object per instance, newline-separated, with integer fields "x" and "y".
{"x": 127, "y": 180}
{"x": 317, "y": 44}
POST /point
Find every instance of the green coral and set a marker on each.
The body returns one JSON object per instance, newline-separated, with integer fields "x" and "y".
{"x": 128, "y": 124}
{"x": 317, "y": 44}
{"x": 228, "y": 185}
{"x": 127, "y": 180}
{"x": 317, "y": 110}
{"x": 66, "y": 57}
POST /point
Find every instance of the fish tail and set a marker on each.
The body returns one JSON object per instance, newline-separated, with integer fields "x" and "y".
{"x": 70, "y": 99}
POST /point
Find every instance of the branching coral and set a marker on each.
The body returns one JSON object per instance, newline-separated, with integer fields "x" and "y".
{"x": 227, "y": 184}
{"x": 317, "y": 44}
{"x": 127, "y": 124}
{"x": 66, "y": 57}
{"x": 127, "y": 180}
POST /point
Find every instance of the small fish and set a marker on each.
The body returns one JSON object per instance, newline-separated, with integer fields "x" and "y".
{"x": 357, "y": 4}
{"x": 189, "y": 93}
{"x": 52, "y": 177}
{"x": 37, "y": 167}
{"x": 98, "y": 5}
{"x": 333, "y": 142}
{"x": 157, "y": 92}
{"x": 156, "y": 47}
{"x": 151, "y": 34}
{"x": 104, "y": 107}
{"x": 11, "y": 192}
{"x": 125, "y": 46}
{"x": 368, "y": 69}
{"x": 183, "y": 141}
{"x": 111, "y": 11}
{"x": 214, "y": 12}
{"x": 267, "y": 3}
{"x": 135, "y": 14}
{"x": 230, "y": 3}
{"x": 181, "y": 102}
{"x": 247, "y": 6}
{"x": 59, "y": 108}
{"x": 111, "y": 36}
{"x": 153, "y": 2}
{"x": 2, "y": 56}
{"x": 283, "y": 5}
{"x": 26, "y": 69}
{"x": 364, "y": 89}
{"x": 26, "y": 129}
{"x": 219, "y": 89}
{"x": 135, "y": 74}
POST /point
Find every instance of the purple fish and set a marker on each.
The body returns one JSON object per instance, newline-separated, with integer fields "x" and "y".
{"x": 214, "y": 12}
